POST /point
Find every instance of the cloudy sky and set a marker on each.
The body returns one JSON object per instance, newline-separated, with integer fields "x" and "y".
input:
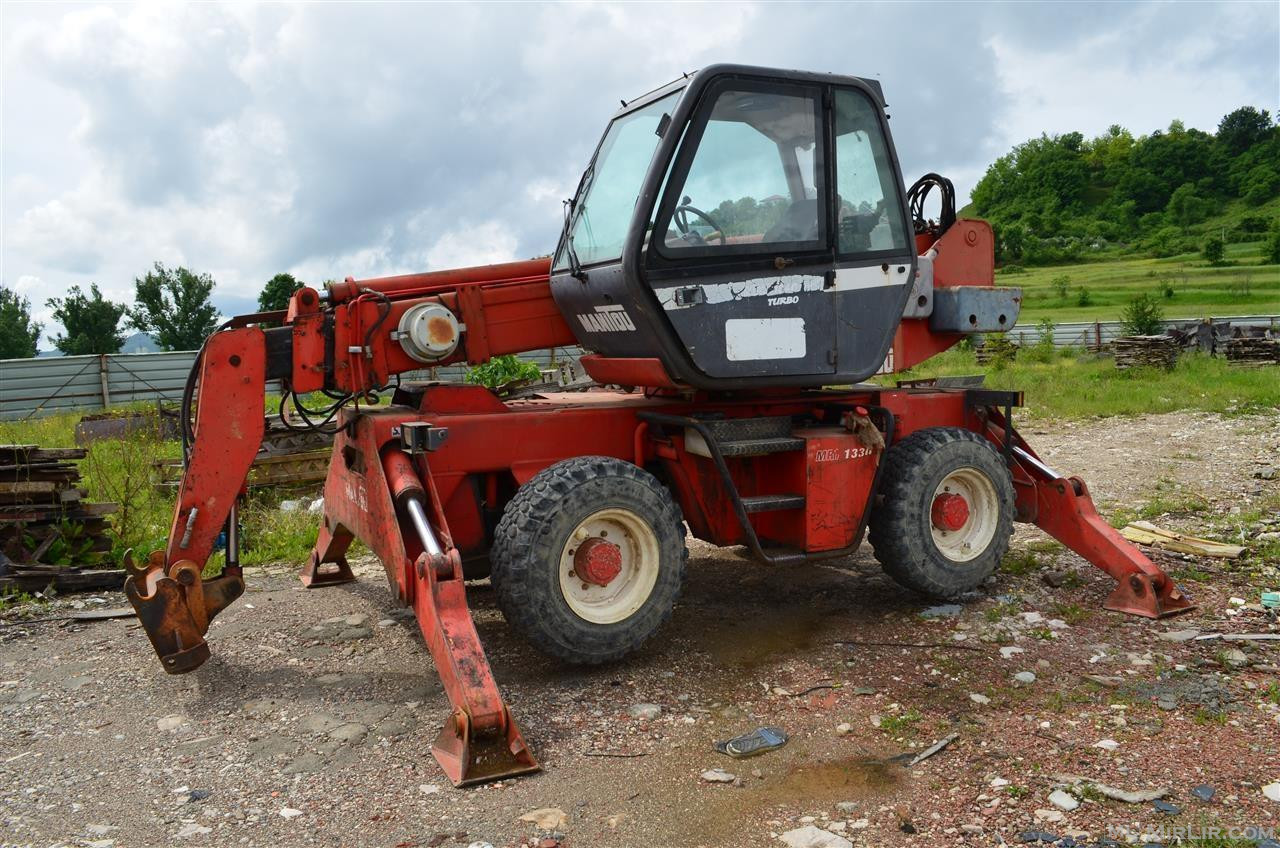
{"x": 330, "y": 139}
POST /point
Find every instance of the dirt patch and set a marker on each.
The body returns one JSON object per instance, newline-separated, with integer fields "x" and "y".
{"x": 313, "y": 721}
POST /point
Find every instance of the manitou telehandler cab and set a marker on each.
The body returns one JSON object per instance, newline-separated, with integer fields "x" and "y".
{"x": 739, "y": 255}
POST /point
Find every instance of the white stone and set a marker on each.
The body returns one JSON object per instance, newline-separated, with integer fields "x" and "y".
{"x": 317, "y": 505}
{"x": 170, "y": 722}
{"x": 428, "y": 788}
{"x": 1025, "y": 677}
{"x": 978, "y": 698}
{"x": 190, "y": 830}
{"x": 1063, "y": 800}
{"x": 844, "y": 728}
{"x": 480, "y": 845}
{"x": 998, "y": 782}
{"x": 813, "y": 837}
{"x": 289, "y": 813}
{"x": 1049, "y": 815}
{"x": 718, "y": 776}
{"x": 644, "y": 712}
{"x": 1009, "y": 650}
{"x": 1272, "y": 791}
{"x": 1106, "y": 744}
{"x": 860, "y": 824}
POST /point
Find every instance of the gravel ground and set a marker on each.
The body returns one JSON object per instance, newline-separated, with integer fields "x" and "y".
{"x": 313, "y": 721}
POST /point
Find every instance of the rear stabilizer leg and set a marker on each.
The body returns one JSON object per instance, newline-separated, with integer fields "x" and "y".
{"x": 327, "y": 565}
{"x": 1062, "y": 507}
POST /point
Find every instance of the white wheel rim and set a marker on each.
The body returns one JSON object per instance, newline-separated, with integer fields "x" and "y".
{"x": 972, "y": 537}
{"x": 622, "y": 596}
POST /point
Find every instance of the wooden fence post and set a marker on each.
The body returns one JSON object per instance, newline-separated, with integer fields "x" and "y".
{"x": 104, "y": 376}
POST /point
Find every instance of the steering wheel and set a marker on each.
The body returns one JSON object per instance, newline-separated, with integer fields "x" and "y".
{"x": 681, "y": 220}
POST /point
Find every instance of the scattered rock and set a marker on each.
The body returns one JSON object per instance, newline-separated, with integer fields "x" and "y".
{"x": 1266, "y": 472}
{"x": 941, "y": 611}
{"x": 1049, "y": 815}
{"x": 192, "y": 829}
{"x": 848, "y": 806}
{"x": 644, "y": 712}
{"x": 978, "y": 698}
{"x": 1025, "y": 677}
{"x": 812, "y": 837}
{"x": 289, "y": 813}
{"x": 863, "y": 690}
{"x": 171, "y": 722}
{"x": 1029, "y": 836}
{"x": 428, "y": 788}
{"x": 1235, "y": 658}
{"x": 1054, "y": 579}
{"x": 1063, "y": 800}
{"x": 546, "y": 818}
{"x": 844, "y": 728}
{"x": 1106, "y": 744}
{"x": 1204, "y": 792}
{"x": 1166, "y": 808}
{"x": 1009, "y": 650}
{"x": 1179, "y": 635}
{"x": 1272, "y": 791}
{"x": 718, "y": 776}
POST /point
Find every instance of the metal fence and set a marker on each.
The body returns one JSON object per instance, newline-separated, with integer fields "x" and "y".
{"x": 30, "y": 388}
{"x": 34, "y": 387}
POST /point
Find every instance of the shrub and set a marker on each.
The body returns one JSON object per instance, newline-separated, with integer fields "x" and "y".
{"x": 1166, "y": 289}
{"x": 1214, "y": 250}
{"x": 1143, "y": 316}
{"x": 1043, "y": 350}
{"x": 1083, "y": 298}
{"x": 1061, "y": 285}
{"x": 503, "y": 370}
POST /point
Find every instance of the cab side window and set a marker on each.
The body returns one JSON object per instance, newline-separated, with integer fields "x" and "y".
{"x": 867, "y": 195}
{"x": 755, "y": 178}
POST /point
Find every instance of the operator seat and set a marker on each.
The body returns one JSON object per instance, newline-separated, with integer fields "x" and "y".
{"x": 798, "y": 223}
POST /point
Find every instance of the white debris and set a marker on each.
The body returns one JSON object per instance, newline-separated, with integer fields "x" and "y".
{"x": 190, "y": 830}
{"x": 428, "y": 788}
{"x": 1009, "y": 650}
{"x": 1063, "y": 800}
{"x": 812, "y": 837}
{"x": 289, "y": 813}
{"x": 1272, "y": 791}
{"x": 718, "y": 776}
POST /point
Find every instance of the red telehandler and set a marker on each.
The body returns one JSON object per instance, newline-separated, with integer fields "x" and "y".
{"x": 722, "y": 328}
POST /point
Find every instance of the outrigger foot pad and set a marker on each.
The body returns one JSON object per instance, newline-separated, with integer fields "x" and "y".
{"x": 175, "y": 606}
{"x": 468, "y": 760}
{"x": 1150, "y": 596}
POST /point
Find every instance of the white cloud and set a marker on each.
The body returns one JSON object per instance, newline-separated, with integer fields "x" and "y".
{"x": 368, "y": 139}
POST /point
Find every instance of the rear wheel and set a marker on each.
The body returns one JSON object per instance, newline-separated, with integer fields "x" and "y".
{"x": 946, "y": 513}
{"x": 588, "y": 559}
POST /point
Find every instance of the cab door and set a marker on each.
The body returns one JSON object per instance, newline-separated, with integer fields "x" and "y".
{"x": 740, "y": 255}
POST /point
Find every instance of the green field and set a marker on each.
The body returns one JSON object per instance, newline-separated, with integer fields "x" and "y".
{"x": 1066, "y": 384}
{"x": 1241, "y": 287}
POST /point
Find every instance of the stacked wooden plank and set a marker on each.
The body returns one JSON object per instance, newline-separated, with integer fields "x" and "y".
{"x": 1252, "y": 352}
{"x": 1146, "y": 352}
{"x": 48, "y": 532}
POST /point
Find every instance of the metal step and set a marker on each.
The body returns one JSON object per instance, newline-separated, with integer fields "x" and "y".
{"x": 739, "y": 437}
{"x": 769, "y": 503}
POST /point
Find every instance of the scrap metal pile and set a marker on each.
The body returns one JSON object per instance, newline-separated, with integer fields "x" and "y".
{"x": 48, "y": 532}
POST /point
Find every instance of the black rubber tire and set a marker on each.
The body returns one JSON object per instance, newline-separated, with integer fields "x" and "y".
{"x": 531, "y": 536}
{"x": 901, "y": 532}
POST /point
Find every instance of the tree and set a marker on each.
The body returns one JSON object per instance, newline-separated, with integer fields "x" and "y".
{"x": 18, "y": 333}
{"x": 1214, "y": 250}
{"x": 173, "y": 305}
{"x": 1239, "y": 130}
{"x": 1271, "y": 247}
{"x": 1143, "y": 316}
{"x": 92, "y": 323}
{"x": 276, "y": 293}
{"x": 1186, "y": 207}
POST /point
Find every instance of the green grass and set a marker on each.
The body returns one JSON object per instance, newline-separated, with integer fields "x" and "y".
{"x": 1081, "y": 385}
{"x": 1241, "y": 287}
{"x": 121, "y": 471}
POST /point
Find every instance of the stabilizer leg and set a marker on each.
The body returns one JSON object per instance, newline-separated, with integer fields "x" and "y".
{"x": 327, "y": 565}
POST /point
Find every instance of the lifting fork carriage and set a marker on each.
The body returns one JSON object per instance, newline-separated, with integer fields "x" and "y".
{"x": 722, "y": 327}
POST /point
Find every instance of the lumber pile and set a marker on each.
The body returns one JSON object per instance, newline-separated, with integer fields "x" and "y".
{"x": 1146, "y": 352}
{"x": 1252, "y": 352}
{"x": 996, "y": 347}
{"x": 49, "y": 533}
{"x": 1146, "y": 533}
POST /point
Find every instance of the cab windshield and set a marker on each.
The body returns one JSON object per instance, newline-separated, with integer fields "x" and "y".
{"x": 607, "y": 197}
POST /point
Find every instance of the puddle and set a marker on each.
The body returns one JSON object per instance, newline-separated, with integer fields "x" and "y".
{"x": 836, "y": 780}
{"x": 749, "y": 641}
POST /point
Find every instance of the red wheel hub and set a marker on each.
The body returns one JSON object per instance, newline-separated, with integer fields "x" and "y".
{"x": 597, "y": 561}
{"x": 949, "y": 512}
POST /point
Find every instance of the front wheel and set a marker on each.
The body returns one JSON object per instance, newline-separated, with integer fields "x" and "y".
{"x": 588, "y": 559}
{"x": 946, "y": 513}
